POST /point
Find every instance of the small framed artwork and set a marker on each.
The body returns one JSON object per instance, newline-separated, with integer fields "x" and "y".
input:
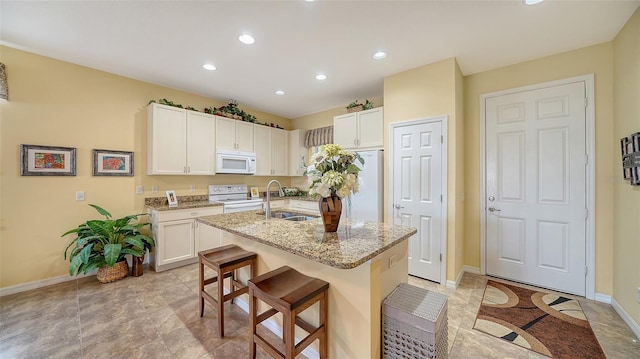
{"x": 38, "y": 160}
{"x": 112, "y": 163}
{"x": 172, "y": 198}
{"x": 254, "y": 192}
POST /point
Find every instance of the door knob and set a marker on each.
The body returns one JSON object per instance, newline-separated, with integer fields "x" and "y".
{"x": 397, "y": 206}
{"x": 493, "y": 209}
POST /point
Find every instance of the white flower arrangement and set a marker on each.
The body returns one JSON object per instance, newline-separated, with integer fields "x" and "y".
{"x": 333, "y": 171}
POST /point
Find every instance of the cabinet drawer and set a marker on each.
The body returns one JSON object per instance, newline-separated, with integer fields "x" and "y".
{"x": 306, "y": 205}
{"x": 175, "y": 215}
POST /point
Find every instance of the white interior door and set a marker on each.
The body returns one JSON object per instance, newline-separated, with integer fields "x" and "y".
{"x": 536, "y": 187}
{"x": 417, "y": 171}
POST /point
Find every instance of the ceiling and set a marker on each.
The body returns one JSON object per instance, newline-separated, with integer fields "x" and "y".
{"x": 167, "y": 42}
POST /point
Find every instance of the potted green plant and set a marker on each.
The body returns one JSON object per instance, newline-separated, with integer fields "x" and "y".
{"x": 354, "y": 106}
{"x": 104, "y": 243}
{"x": 368, "y": 105}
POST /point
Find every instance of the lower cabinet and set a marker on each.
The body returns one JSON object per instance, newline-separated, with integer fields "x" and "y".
{"x": 311, "y": 206}
{"x": 179, "y": 237}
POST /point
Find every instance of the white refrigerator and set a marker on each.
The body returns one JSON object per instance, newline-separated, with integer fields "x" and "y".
{"x": 367, "y": 203}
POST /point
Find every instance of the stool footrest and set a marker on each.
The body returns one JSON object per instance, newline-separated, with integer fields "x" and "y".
{"x": 215, "y": 279}
{"x": 236, "y": 293}
{"x": 267, "y": 346}
{"x": 315, "y": 334}
{"x": 266, "y": 315}
{"x": 305, "y": 325}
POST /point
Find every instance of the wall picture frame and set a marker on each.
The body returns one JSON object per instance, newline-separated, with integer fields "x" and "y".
{"x": 112, "y": 163}
{"x": 172, "y": 198}
{"x": 38, "y": 160}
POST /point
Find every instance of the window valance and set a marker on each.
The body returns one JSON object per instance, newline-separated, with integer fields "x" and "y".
{"x": 319, "y": 136}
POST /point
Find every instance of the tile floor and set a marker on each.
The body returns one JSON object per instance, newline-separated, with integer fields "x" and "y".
{"x": 155, "y": 316}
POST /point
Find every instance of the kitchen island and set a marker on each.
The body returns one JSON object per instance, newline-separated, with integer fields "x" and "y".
{"x": 363, "y": 262}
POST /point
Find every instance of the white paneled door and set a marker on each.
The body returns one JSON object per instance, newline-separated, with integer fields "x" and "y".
{"x": 418, "y": 170}
{"x": 536, "y": 187}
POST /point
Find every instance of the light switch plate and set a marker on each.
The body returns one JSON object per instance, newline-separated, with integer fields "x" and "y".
{"x": 139, "y": 189}
{"x": 154, "y": 189}
{"x": 193, "y": 188}
{"x": 80, "y": 196}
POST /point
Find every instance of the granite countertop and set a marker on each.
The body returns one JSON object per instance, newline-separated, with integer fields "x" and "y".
{"x": 200, "y": 201}
{"x": 354, "y": 243}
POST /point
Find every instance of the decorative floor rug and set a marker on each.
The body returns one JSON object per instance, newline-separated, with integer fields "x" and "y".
{"x": 547, "y": 323}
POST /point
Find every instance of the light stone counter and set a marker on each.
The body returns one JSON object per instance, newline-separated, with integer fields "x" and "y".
{"x": 354, "y": 243}
{"x": 362, "y": 262}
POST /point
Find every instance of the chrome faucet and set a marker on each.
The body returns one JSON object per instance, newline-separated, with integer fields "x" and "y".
{"x": 267, "y": 211}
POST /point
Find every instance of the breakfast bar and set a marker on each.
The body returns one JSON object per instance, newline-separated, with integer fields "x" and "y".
{"x": 363, "y": 262}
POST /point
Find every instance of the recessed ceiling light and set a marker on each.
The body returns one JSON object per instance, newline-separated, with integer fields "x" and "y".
{"x": 209, "y": 67}
{"x": 280, "y": 92}
{"x": 246, "y": 39}
{"x": 321, "y": 77}
{"x": 532, "y": 2}
{"x": 379, "y": 55}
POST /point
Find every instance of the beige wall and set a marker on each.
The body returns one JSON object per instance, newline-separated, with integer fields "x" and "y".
{"x": 626, "y": 207}
{"x": 60, "y": 104}
{"x": 596, "y": 59}
{"x": 429, "y": 91}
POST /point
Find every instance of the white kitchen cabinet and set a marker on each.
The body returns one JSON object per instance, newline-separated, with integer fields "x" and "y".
{"x": 311, "y": 206}
{"x": 272, "y": 157}
{"x": 234, "y": 135}
{"x": 179, "y": 142}
{"x": 359, "y": 130}
{"x": 179, "y": 237}
{"x": 297, "y": 153}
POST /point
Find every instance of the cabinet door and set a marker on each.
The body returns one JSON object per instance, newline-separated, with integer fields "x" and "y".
{"x": 370, "y": 127}
{"x": 262, "y": 146}
{"x": 345, "y": 130}
{"x": 297, "y": 153}
{"x": 279, "y": 152}
{"x": 166, "y": 140}
{"x": 244, "y": 136}
{"x": 175, "y": 241}
{"x": 201, "y": 143}
{"x": 225, "y": 133}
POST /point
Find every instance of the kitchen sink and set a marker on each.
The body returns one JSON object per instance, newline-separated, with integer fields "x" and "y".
{"x": 292, "y": 216}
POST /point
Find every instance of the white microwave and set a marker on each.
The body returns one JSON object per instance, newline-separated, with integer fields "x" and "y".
{"x": 235, "y": 162}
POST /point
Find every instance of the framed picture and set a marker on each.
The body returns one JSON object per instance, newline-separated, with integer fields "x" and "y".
{"x": 254, "y": 192}
{"x": 112, "y": 163}
{"x": 38, "y": 160}
{"x": 172, "y": 198}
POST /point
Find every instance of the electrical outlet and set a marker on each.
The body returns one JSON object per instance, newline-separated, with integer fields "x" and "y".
{"x": 154, "y": 189}
{"x": 193, "y": 188}
{"x": 393, "y": 260}
{"x": 139, "y": 189}
{"x": 80, "y": 196}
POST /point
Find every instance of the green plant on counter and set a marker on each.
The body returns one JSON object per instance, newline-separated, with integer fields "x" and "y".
{"x": 104, "y": 242}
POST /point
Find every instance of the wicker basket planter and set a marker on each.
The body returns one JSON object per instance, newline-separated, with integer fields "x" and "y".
{"x": 354, "y": 109}
{"x": 108, "y": 274}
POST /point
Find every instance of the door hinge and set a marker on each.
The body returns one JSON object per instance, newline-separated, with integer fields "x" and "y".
{"x": 440, "y": 198}
{"x": 586, "y": 159}
{"x": 586, "y": 213}
{"x": 440, "y": 257}
{"x": 586, "y": 270}
{"x": 441, "y": 139}
{"x": 586, "y": 102}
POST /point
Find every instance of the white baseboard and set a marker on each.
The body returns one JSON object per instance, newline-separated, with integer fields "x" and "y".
{"x": 470, "y": 269}
{"x": 604, "y": 298}
{"x": 41, "y": 283}
{"x": 454, "y": 284}
{"x": 277, "y": 330}
{"x": 635, "y": 328}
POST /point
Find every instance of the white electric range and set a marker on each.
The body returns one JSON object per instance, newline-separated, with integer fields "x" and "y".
{"x": 234, "y": 198}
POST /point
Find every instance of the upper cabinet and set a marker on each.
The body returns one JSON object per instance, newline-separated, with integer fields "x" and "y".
{"x": 234, "y": 135}
{"x": 359, "y": 130}
{"x": 180, "y": 141}
{"x": 270, "y": 146}
{"x": 297, "y": 153}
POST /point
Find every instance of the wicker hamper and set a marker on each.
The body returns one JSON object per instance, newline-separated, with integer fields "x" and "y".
{"x": 414, "y": 324}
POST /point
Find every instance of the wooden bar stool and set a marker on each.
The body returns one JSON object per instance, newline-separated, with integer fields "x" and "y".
{"x": 289, "y": 292}
{"x": 224, "y": 260}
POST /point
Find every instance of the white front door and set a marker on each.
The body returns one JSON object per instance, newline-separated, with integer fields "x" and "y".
{"x": 418, "y": 172}
{"x": 536, "y": 187}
